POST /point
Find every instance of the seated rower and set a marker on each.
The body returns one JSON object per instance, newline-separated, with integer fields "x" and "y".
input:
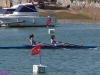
{"x": 33, "y": 43}
{"x": 53, "y": 41}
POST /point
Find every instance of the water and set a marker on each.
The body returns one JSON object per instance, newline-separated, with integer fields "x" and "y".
{"x": 59, "y": 61}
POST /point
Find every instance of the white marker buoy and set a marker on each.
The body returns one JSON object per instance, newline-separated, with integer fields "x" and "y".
{"x": 51, "y": 31}
{"x": 39, "y": 69}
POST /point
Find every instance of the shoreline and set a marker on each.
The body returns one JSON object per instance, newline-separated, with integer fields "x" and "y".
{"x": 63, "y": 14}
{"x": 71, "y": 15}
{"x": 68, "y": 16}
{"x": 77, "y": 21}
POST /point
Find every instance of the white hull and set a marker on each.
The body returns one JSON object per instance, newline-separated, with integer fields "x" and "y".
{"x": 26, "y": 21}
{"x": 24, "y": 15}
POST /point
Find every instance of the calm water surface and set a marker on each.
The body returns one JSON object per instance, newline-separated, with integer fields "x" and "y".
{"x": 59, "y": 61}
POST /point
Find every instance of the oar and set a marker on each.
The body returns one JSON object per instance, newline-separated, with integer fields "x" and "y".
{"x": 62, "y": 43}
{"x": 68, "y": 44}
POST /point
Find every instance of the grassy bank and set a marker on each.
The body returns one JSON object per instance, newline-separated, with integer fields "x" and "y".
{"x": 64, "y": 14}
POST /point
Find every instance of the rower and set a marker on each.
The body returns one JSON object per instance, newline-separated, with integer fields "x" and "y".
{"x": 53, "y": 41}
{"x": 33, "y": 43}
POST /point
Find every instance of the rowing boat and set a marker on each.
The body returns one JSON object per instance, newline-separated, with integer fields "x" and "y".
{"x": 49, "y": 46}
